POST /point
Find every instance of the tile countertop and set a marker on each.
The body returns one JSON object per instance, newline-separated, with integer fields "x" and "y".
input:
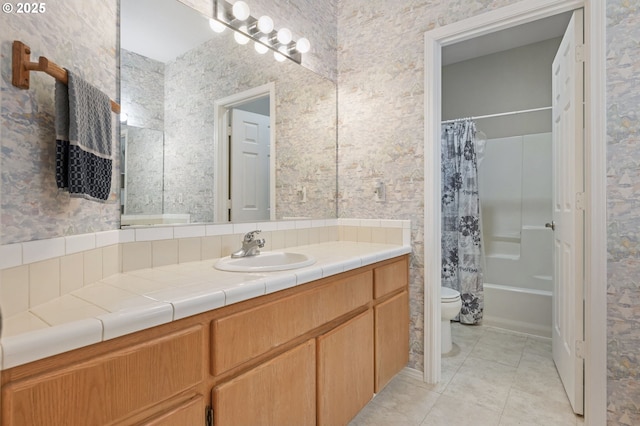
{"x": 128, "y": 302}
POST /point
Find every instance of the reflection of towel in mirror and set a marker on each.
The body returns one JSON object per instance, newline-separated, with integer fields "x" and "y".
{"x": 83, "y": 139}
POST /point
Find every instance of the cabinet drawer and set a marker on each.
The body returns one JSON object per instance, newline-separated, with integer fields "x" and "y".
{"x": 390, "y": 277}
{"x": 247, "y": 334}
{"x": 279, "y": 392}
{"x": 108, "y": 388}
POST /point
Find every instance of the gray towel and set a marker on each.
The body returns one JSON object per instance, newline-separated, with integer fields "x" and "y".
{"x": 84, "y": 163}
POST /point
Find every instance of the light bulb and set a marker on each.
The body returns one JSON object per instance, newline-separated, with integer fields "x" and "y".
{"x": 279, "y": 56}
{"x": 240, "y": 37}
{"x": 265, "y": 24}
{"x": 303, "y": 45}
{"x": 216, "y": 26}
{"x": 241, "y": 10}
{"x": 284, "y": 36}
{"x": 261, "y": 48}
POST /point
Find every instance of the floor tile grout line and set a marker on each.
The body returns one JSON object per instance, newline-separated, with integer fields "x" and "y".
{"x": 514, "y": 391}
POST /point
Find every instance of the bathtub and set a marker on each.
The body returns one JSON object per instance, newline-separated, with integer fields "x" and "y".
{"x": 518, "y": 309}
{"x": 518, "y": 288}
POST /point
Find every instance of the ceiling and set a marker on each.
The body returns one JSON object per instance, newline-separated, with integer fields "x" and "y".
{"x": 161, "y": 29}
{"x": 509, "y": 38}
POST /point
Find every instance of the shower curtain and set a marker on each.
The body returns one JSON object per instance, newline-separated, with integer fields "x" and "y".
{"x": 461, "y": 236}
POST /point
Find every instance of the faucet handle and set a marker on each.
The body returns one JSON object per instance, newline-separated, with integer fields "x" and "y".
{"x": 249, "y": 236}
{"x": 261, "y": 242}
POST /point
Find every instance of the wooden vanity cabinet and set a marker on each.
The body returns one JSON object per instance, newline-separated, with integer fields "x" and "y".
{"x": 309, "y": 354}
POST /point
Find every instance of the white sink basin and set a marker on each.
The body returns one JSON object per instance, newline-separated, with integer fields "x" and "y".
{"x": 265, "y": 262}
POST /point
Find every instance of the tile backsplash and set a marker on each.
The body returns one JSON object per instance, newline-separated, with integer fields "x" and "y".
{"x": 36, "y": 272}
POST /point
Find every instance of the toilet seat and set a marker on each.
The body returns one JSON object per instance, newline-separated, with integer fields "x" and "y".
{"x": 448, "y": 295}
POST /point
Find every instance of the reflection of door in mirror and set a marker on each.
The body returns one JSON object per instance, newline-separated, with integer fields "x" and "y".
{"x": 249, "y": 162}
{"x": 245, "y": 172}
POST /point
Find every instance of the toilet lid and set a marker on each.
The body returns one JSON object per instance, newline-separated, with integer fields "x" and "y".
{"x": 448, "y": 293}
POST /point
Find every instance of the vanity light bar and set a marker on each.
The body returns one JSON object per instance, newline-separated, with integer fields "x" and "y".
{"x": 249, "y": 26}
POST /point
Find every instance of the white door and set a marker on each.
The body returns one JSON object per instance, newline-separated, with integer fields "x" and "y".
{"x": 568, "y": 212}
{"x": 249, "y": 166}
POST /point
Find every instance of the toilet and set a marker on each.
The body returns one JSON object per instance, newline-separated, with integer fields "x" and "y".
{"x": 450, "y": 305}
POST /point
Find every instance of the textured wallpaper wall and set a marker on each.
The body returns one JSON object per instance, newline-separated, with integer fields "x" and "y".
{"x": 142, "y": 99}
{"x": 144, "y": 170}
{"x": 623, "y": 193}
{"x": 80, "y": 36}
{"x": 142, "y": 90}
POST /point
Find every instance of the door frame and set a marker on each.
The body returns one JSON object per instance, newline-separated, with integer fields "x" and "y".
{"x": 221, "y": 109}
{"x": 595, "y": 185}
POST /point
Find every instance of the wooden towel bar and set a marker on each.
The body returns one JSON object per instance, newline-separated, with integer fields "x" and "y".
{"x": 22, "y": 66}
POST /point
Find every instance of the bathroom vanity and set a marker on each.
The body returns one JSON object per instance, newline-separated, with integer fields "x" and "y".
{"x": 310, "y": 354}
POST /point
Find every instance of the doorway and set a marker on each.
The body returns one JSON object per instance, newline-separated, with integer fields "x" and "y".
{"x": 595, "y": 217}
{"x": 510, "y": 95}
{"x": 245, "y": 156}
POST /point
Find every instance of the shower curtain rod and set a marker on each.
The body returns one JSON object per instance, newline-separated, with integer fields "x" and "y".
{"x": 500, "y": 114}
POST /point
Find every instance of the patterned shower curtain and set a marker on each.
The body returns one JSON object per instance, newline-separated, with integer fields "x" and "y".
{"x": 461, "y": 237}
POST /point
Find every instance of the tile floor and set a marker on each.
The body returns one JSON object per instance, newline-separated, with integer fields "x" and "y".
{"x": 491, "y": 377}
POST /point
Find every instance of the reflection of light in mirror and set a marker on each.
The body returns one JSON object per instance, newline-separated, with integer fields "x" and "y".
{"x": 284, "y": 35}
{"x": 303, "y": 45}
{"x": 241, "y": 38}
{"x": 123, "y": 117}
{"x": 241, "y": 10}
{"x": 261, "y": 48}
{"x": 265, "y": 24}
{"x": 237, "y": 16}
{"x": 216, "y": 26}
{"x": 279, "y": 56}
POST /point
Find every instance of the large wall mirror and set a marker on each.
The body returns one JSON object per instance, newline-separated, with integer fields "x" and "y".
{"x": 215, "y": 131}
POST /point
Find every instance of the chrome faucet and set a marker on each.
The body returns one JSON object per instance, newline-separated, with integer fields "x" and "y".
{"x": 250, "y": 245}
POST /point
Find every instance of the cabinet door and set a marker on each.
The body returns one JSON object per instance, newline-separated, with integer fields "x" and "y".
{"x": 106, "y": 389}
{"x": 280, "y": 392}
{"x": 345, "y": 370}
{"x": 391, "y": 338}
{"x": 191, "y": 412}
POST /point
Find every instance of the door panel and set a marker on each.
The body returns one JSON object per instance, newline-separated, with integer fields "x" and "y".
{"x": 568, "y": 213}
{"x": 249, "y": 166}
